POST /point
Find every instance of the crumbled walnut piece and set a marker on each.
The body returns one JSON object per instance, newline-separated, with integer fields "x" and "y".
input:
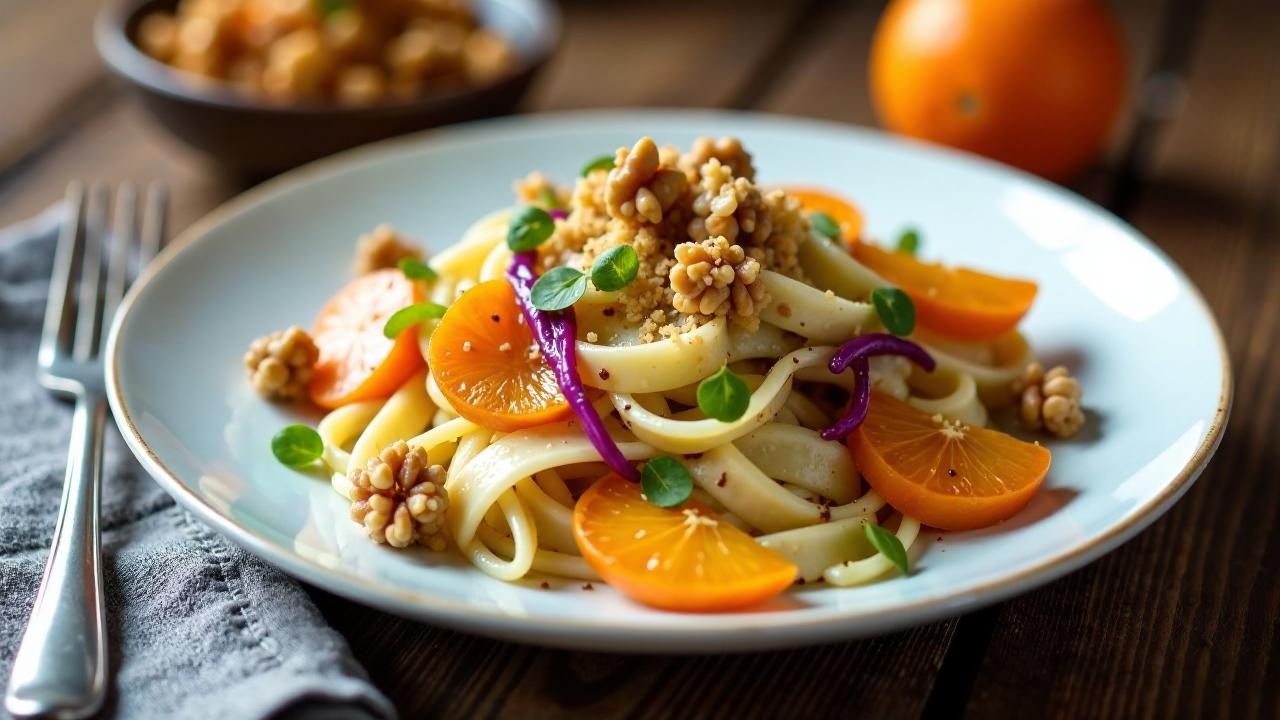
{"x": 639, "y": 187}
{"x": 280, "y": 364}
{"x": 1050, "y": 400}
{"x": 714, "y": 277}
{"x": 727, "y": 150}
{"x": 383, "y": 248}
{"x": 399, "y": 499}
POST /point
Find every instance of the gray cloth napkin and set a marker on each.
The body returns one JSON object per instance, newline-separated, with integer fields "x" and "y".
{"x": 198, "y": 628}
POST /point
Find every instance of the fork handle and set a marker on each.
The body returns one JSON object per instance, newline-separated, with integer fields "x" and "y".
{"x": 60, "y": 668}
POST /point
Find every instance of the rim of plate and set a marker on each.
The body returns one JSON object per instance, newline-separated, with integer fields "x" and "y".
{"x": 568, "y": 632}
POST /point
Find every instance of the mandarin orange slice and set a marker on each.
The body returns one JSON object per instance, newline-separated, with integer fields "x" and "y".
{"x": 485, "y": 361}
{"x": 944, "y": 473}
{"x": 956, "y": 302}
{"x": 844, "y": 212}
{"x": 357, "y": 362}
{"x": 682, "y": 559}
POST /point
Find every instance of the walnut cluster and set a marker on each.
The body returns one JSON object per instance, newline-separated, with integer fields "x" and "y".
{"x": 1050, "y": 400}
{"x": 383, "y": 248}
{"x": 715, "y": 276}
{"x": 399, "y": 499}
{"x": 705, "y": 203}
{"x": 727, "y": 151}
{"x": 280, "y": 365}
{"x": 639, "y": 186}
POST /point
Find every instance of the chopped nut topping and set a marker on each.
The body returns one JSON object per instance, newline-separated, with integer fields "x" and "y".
{"x": 727, "y": 150}
{"x": 714, "y": 277}
{"x": 639, "y": 187}
{"x": 656, "y": 200}
{"x": 383, "y": 248}
{"x": 281, "y": 364}
{"x": 399, "y": 499}
{"x": 1050, "y": 400}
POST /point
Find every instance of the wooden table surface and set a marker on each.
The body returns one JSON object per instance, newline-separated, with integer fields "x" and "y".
{"x": 1181, "y": 621}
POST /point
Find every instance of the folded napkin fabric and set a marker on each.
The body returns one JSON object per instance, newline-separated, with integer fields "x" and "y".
{"x": 197, "y": 627}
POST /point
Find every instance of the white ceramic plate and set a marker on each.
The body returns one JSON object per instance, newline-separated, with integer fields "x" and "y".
{"x": 1145, "y": 347}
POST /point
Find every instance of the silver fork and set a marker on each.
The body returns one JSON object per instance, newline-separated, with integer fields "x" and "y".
{"x": 61, "y": 667}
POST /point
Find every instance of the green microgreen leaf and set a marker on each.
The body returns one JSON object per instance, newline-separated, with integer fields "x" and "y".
{"x": 529, "y": 228}
{"x": 909, "y": 241}
{"x": 407, "y": 317}
{"x": 896, "y": 311}
{"x": 417, "y": 270}
{"x": 549, "y": 200}
{"x": 604, "y": 162}
{"x": 558, "y": 288}
{"x": 824, "y": 224}
{"x": 666, "y": 482}
{"x": 616, "y": 268}
{"x": 297, "y": 446}
{"x": 888, "y": 545}
{"x": 724, "y": 396}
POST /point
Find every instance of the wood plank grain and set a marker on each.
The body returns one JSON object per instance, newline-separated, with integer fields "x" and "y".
{"x": 50, "y": 74}
{"x": 885, "y": 677}
{"x": 1183, "y": 620}
{"x": 660, "y": 53}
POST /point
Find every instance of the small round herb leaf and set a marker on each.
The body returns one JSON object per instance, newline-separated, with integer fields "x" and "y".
{"x": 547, "y": 199}
{"x": 407, "y": 317}
{"x": 297, "y": 446}
{"x": 724, "y": 396}
{"x": 529, "y": 228}
{"x": 616, "y": 268}
{"x": 665, "y": 482}
{"x": 895, "y": 309}
{"x": 417, "y": 270}
{"x": 888, "y": 545}
{"x": 909, "y": 241}
{"x": 604, "y": 162}
{"x": 824, "y": 224}
{"x": 558, "y": 288}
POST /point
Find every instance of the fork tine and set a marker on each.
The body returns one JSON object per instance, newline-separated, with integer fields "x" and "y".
{"x": 56, "y": 336}
{"x": 123, "y": 236}
{"x": 152, "y": 224}
{"x": 87, "y": 300}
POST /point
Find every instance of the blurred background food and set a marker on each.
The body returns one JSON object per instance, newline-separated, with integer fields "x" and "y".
{"x": 261, "y": 86}
{"x": 352, "y": 52}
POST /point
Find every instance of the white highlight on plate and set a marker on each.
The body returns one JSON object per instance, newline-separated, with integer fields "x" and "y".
{"x": 1121, "y": 273}
{"x": 1155, "y": 474}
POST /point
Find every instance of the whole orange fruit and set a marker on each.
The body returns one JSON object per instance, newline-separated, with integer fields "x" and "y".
{"x": 1032, "y": 83}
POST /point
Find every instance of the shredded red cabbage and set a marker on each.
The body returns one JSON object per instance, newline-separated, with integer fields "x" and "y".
{"x": 855, "y": 354}
{"x": 558, "y": 213}
{"x": 555, "y": 333}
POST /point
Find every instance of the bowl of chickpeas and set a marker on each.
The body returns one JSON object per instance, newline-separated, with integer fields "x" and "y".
{"x": 262, "y": 86}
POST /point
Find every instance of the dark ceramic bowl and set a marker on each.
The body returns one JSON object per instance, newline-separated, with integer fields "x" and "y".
{"x": 260, "y": 138}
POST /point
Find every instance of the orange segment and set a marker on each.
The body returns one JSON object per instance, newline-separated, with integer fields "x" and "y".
{"x": 946, "y": 474}
{"x": 483, "y": 358}
{"x": 956, "y": 302}
{"x": 844, "y": 212}
{"x": 681, "y": 559}
{"x": 357, "y": 362}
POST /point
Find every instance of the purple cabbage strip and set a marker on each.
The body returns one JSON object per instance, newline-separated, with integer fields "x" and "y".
{"x": 856, "y": 354}
{"x": 558, "y": 213}
{"x": 879, "y": 344}
{"x": 555, "y": 333}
